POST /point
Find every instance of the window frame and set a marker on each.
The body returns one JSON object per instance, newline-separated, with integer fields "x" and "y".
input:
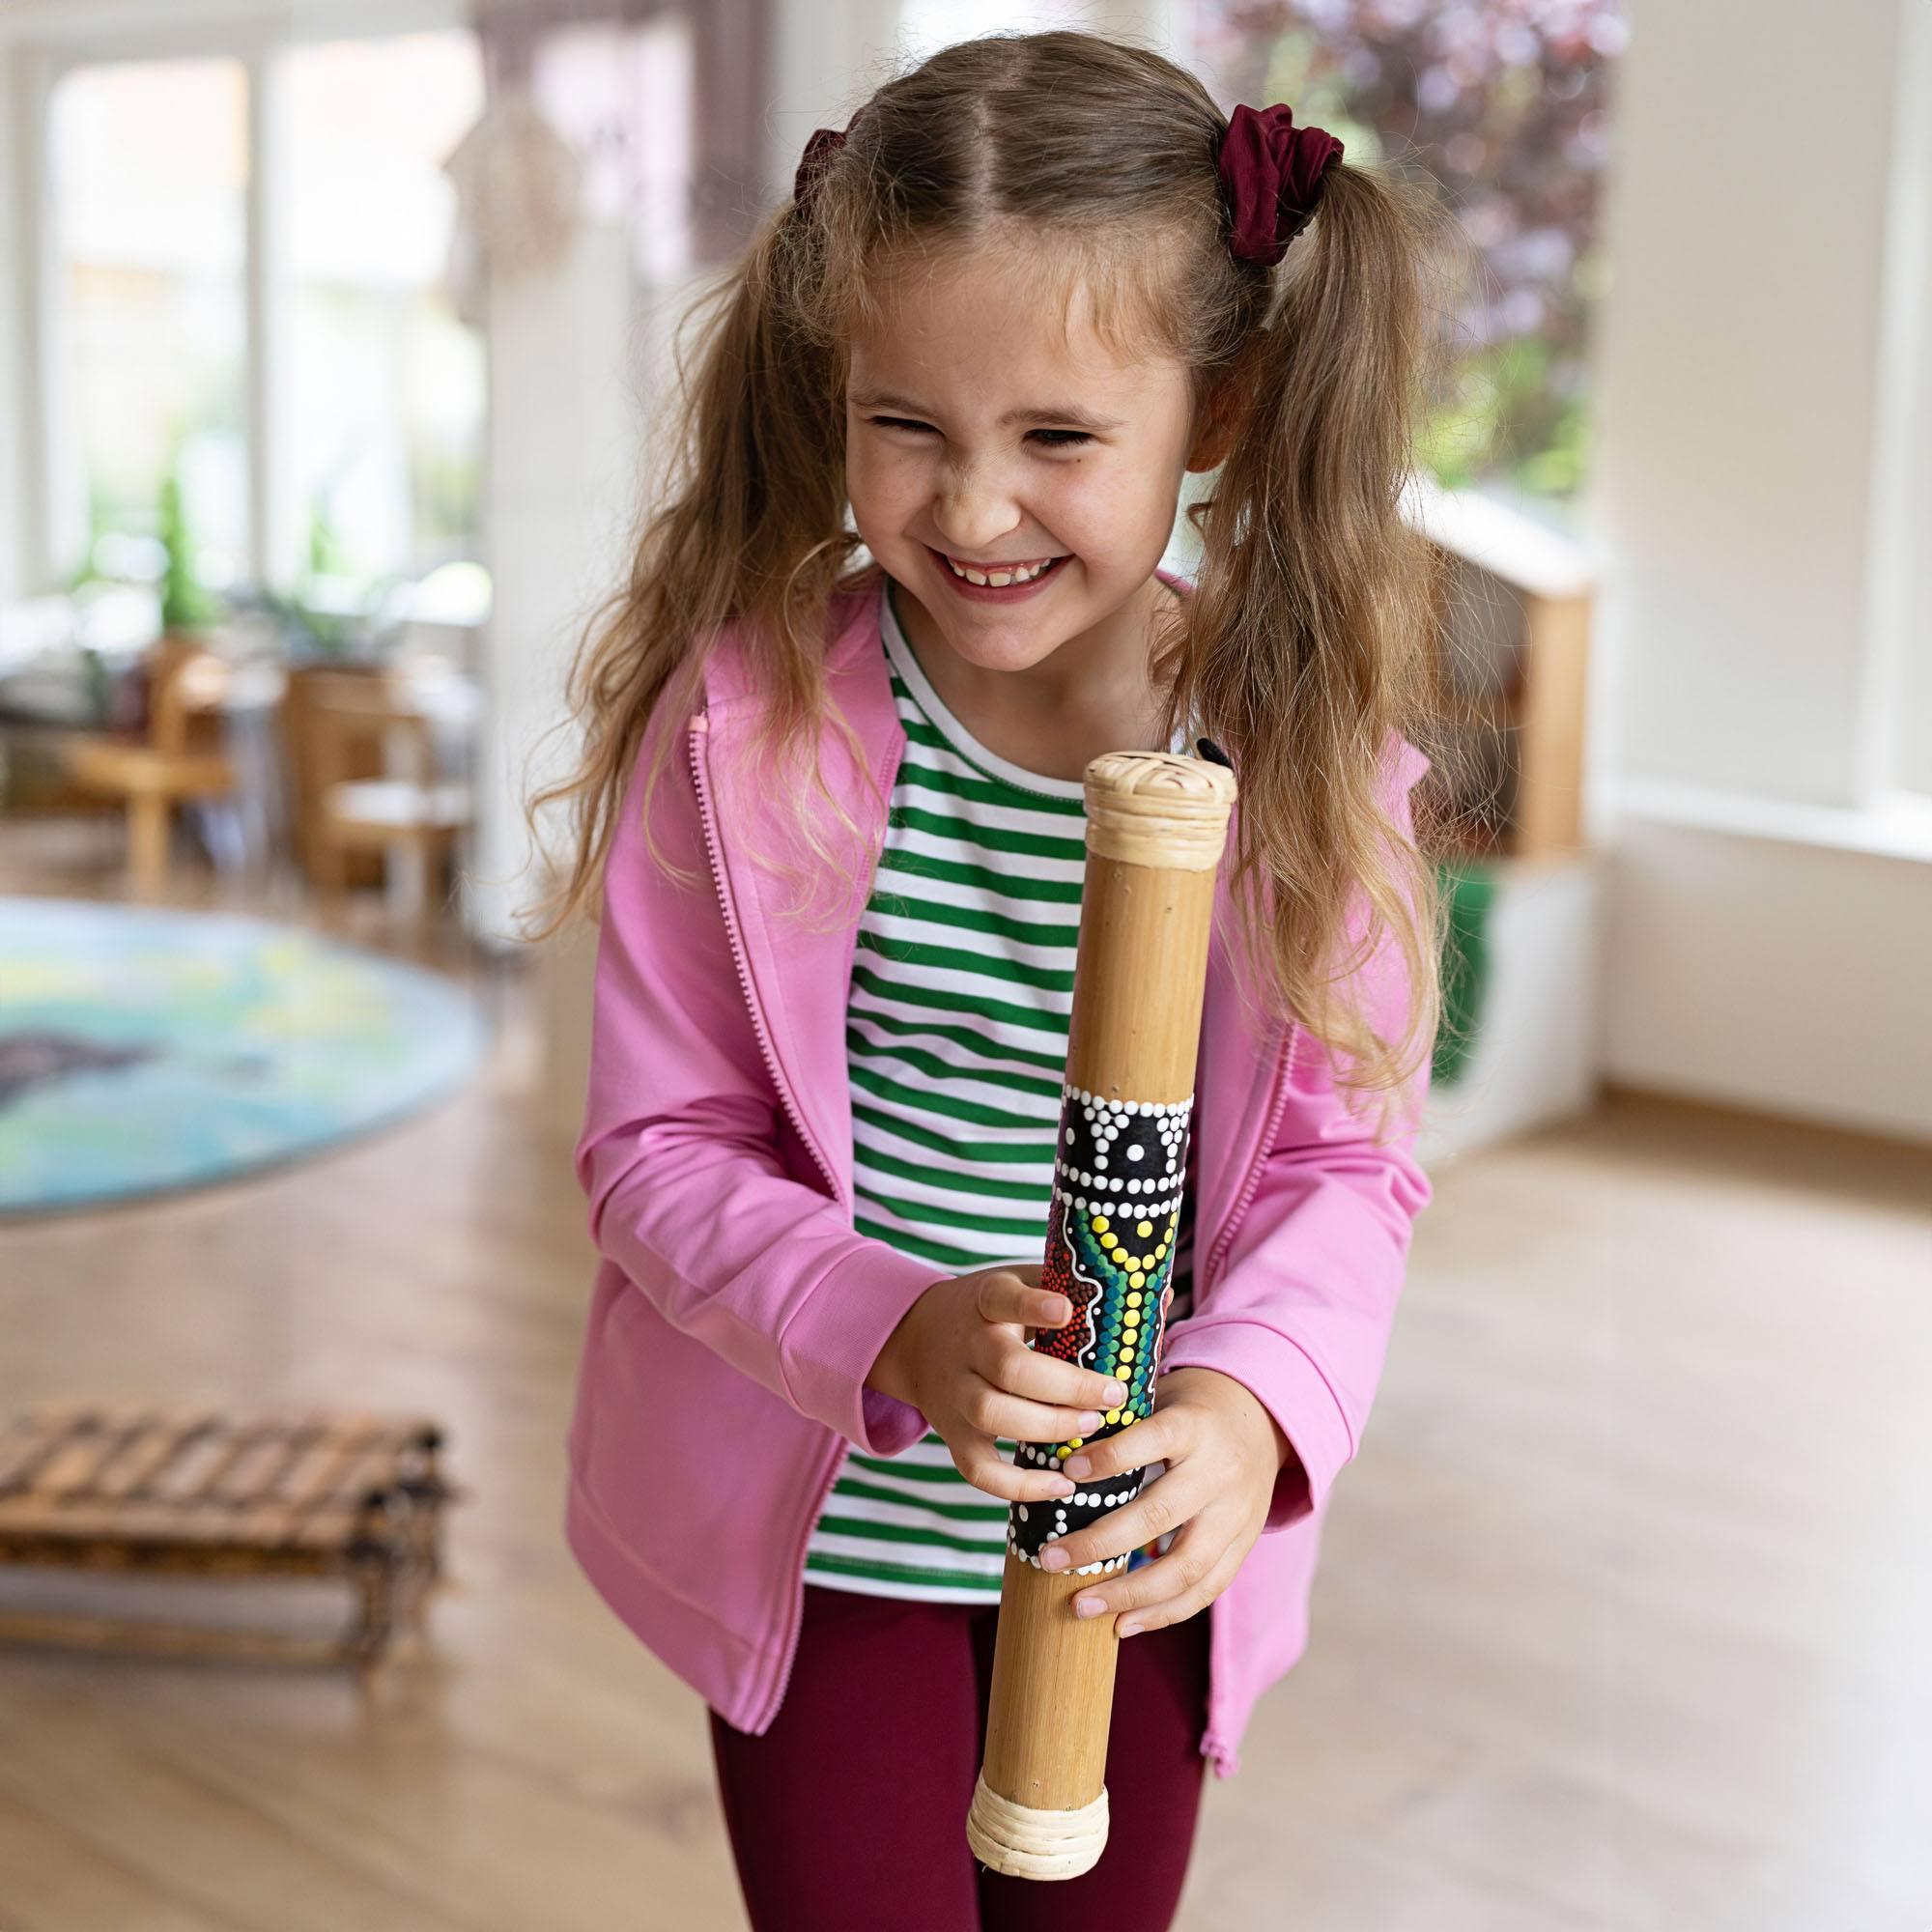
{"x": 38, "y": 45}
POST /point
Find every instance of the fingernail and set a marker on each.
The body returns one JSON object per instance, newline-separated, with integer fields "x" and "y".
{"x": 1115, "y": 1395}
{"x": 1053, "y": 1559}
{"x": 1127, "y": 1630}
{"x": 1088, "y": 1607}
{"x": 1079, "y": 1465}
{"x": 1061, "y": 1486}
{"x": 1089, "y": 1420}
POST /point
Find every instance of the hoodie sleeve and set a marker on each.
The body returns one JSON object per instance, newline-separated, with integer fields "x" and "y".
{"x": 1301, "y": 1310}
{"x": 680, "y": 1151}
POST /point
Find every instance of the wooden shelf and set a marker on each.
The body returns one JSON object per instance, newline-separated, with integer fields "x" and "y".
{"x": 1511, "y": 645}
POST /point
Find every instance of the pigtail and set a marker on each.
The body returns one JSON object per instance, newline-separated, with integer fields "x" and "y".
{"x": 744, "y": 525}
{"x": 1306, "y": 643}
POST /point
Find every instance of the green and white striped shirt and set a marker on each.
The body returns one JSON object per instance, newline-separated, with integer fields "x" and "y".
{"x": 963, "y": 987}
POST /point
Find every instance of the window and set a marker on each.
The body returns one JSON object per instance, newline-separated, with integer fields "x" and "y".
{"x": 385, "y": 386}
{"x": 325, "y": 386}
{"x": 148, "y": 181}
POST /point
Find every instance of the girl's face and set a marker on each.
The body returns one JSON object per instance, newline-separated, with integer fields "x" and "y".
{"x": 980, "y": 436}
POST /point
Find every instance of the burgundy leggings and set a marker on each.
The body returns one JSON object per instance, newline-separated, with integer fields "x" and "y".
{"x": 849, "y": 1813}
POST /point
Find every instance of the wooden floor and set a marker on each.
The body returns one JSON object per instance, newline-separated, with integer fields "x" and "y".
{"x": 1623, "y": 1619}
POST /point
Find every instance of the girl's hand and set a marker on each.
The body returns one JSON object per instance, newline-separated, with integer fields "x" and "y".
{"x": 960, "y": 1356}
{"x": 1223, "y": 1452}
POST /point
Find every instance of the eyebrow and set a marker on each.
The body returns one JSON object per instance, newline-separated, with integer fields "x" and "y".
{"x": 1067, "y": 413}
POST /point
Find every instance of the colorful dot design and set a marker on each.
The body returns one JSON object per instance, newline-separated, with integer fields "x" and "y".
{"x": 1111, "y": 1230}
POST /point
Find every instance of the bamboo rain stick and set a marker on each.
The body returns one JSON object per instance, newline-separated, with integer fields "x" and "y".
{"x": 1155, "y": 829}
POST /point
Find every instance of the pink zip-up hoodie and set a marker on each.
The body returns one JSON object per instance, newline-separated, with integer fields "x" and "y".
{"x": 737, "y": 1314}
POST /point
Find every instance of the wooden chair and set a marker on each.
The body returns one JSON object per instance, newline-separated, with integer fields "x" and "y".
{"x": 410, "y": 816}
{"x": 176, "y": 760}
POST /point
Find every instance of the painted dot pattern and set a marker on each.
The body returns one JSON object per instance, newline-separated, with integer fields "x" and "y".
{"x": 1112, "y": 1230}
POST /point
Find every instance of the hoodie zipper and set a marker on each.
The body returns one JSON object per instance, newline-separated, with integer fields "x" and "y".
{"x": 1277, "y": 1107}
{"x": 700, "y": 724}
{"x": 843, "y": 1448}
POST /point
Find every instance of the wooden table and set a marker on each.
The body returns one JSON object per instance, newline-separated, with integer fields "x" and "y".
{"x": 146, "y": 1494}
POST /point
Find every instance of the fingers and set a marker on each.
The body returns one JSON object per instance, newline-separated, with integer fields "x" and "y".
{"x": 1200, "y": 1564}
{"x": 997, "y": 1412}
{"x": 1010, "y": 1365}
{"x": 1014, "y": 1295}
{"x": 1168, "y": 1502}
{"x": 1167, "y": 1435}
{"x": 978, "y": 1459}
{"x": 1008, "y": 1298}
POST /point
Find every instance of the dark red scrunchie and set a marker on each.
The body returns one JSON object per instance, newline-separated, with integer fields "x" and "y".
{"x": 819, "y": 151}
{"x": 1271, "y": 173}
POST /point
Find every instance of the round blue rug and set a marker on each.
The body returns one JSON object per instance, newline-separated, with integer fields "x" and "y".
{"x": 143, "y": 1050}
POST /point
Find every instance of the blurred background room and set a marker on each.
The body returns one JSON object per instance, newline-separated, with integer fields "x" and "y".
{"x": 333, "y": 336}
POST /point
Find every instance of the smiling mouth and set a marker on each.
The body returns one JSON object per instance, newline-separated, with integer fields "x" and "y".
{"x": 999, "y": 575}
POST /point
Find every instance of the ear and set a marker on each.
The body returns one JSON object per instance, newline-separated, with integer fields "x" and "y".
{"x": 1214, "y": 433}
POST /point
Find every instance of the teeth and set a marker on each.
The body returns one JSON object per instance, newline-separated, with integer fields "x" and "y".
{"x": 999, "y": 578}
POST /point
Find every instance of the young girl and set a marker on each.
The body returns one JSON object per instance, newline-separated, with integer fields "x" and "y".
{"x": 833, "y": 805}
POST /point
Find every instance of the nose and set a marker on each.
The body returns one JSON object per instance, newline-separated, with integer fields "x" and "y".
{"x": 973, "y": 511}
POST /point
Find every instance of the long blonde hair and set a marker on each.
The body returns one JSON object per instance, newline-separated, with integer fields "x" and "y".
{"x": 1302, "y": 649}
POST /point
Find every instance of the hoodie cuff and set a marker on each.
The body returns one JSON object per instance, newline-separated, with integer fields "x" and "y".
{"x": 829, "y": 1347}
{"x": 1282, "y": 1377}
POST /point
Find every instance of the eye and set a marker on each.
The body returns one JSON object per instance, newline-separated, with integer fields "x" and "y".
{"x": 1050, "y": 439}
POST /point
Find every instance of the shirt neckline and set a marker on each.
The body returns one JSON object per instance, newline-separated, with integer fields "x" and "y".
{"x": 941, "y": 717}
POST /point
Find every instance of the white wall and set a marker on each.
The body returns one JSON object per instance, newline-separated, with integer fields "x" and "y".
{"x": 1744, "y": 513}
{"x": 1771, "y": 975}
{"x": 561, "y": 482}
{"x": 1737, "y": 384}
{"x": 825, "y": 58}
